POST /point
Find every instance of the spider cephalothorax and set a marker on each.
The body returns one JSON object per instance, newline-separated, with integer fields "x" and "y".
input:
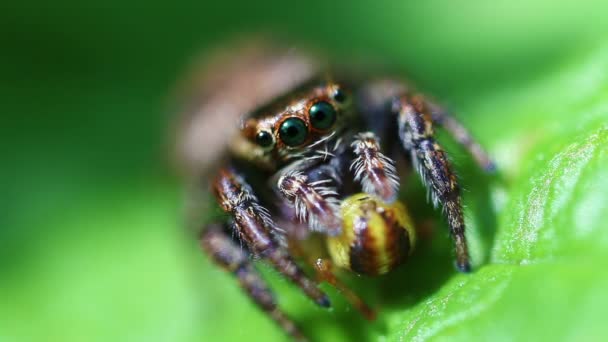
{"x": 293, "y": 125}
{"x": 315, "y": 159}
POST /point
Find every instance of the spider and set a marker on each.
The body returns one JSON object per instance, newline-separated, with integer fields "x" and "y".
{"x": 294, "y": 153}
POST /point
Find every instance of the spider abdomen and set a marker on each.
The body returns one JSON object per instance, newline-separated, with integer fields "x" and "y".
{"x": 376, "y": 237}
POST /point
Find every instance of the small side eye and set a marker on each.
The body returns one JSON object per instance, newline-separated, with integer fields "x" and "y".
{"x": 293, "y": 132}
{"x": 322, "y": 115}
{"x": 339, "y": 95}
{"x": 264, "y": 139}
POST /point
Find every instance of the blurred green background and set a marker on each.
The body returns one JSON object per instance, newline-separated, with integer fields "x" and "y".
{"x": 91, "y": 242}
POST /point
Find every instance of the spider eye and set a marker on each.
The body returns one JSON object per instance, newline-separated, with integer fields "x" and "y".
{"x": 339, "y": 95}
{"x": 293, "y": 132}
{"x": 264, "y": 139}
{"x": 322, "y": 115}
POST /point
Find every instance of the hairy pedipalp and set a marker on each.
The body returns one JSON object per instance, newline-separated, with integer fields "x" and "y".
{"x": 375, "y": 171}
{"x": 315, "y": 203}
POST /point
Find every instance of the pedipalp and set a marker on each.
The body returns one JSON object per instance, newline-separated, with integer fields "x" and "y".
{"x": 314, "y": 202}
{"x": 375, "y": 171}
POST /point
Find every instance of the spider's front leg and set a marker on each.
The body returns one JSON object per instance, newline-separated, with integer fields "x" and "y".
{"x": 255, "y": 228}
{"x": 380, "y": 101}
{"x": 417, "y": 136}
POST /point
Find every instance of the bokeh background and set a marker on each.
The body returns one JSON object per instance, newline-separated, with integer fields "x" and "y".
{"x": 92, "y": 246}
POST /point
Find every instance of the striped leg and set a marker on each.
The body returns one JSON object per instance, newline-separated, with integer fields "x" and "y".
{"x": 235, "y": 260}
{"x": 417, "y": 136}
{"x": 253, "y": 225}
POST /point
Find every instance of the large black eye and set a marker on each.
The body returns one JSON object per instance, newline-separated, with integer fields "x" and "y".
{"x": 322, "y": 115}
{"x": 264, "y": 139}
{"x": 293, "y": 132}
{"x": 339, "y": 95}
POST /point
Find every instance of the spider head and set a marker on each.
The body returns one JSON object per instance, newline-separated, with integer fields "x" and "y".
{"x": 294, "y": 124}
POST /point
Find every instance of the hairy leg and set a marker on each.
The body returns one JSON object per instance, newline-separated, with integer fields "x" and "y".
{"x": 254, "y": 226}
{"x": 311, "y": 186}
{"x": 380, "y": 100}
{"x": 314, "y": 202}
{"x": 234, "y": 259}
{"x": 375, "y": 171}
{"x": 417, "y": 136}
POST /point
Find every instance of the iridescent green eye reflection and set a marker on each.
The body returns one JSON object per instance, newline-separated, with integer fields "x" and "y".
{"x": 293, "y": 132}
{"x": 322, "y": 115}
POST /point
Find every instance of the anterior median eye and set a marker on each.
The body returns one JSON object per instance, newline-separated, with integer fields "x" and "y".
{"x": 322, "y": 115}
{"x": 293, "y": 132}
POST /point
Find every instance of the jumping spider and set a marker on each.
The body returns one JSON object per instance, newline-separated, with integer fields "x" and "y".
{"x": 305, "y": 154}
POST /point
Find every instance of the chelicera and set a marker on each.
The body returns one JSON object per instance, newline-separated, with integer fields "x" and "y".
{"x": 306, "y": 154}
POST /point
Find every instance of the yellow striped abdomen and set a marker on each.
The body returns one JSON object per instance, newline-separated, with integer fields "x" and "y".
{"x": 376, "y": 237}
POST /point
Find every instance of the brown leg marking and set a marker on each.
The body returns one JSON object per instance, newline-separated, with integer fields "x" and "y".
{"x": 417, "y": 136}
{"x": 255, "y": 228}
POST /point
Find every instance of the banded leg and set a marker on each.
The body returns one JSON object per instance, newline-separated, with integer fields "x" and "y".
{"x": 417, "y": 136}
{"x": 254, "y": 226}
{"x": 375, "y": 171}
{"x": 235, "y": 260}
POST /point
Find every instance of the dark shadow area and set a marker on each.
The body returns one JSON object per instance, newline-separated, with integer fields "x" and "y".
{"x": 481, "y": 210}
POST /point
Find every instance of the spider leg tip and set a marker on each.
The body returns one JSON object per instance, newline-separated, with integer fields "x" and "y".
{"x": 464, "y": 267}
{"x": 324, "y": 302}
{"x": 490, "y": 167}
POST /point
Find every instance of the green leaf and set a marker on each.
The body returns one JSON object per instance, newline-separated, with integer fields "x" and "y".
{"x": 544, "y": 279}
{"x": 92, "y": 243}
{"x": 536, "y": 230}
